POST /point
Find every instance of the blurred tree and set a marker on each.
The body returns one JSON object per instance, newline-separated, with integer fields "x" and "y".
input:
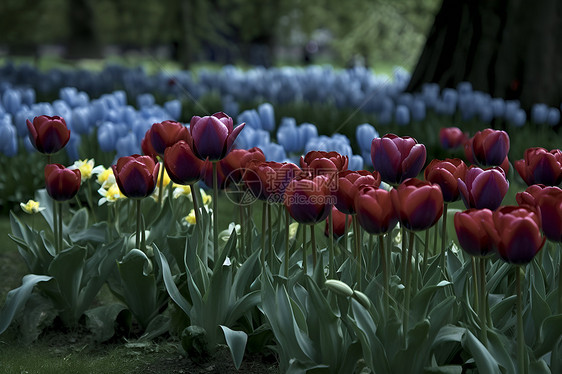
{"x": 510, "y": 49}
{"x": 82, "y": 39}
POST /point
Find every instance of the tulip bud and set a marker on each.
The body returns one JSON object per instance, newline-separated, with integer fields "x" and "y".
{"x": 347, "y": 186}
{"x": 136, "y": 175}
{"x": 483, "y": 188}
{"x": 490, "y": 147}
{"x": 375, "y": 212}
{"x": 419, "y": 204}
{"x": 48, "y": 134}
{"x": 452, "y": 137}
{"x": 182, "y": 165}
{"x": 309, "y": 200}
{"x": 445, "y": 174}
{"x": 62, "y": 184}
{"x": 338, "y": 223}
{"x": 397, "y": 158}
{"x": 471, "y": 232}
{"x": 540, "y": 166}
{"x": 213, "y": 136}
{"x": 165, "y": 134}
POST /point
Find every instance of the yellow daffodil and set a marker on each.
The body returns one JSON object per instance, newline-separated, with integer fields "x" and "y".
{"x": 166, "y": 177}
{"x": 207, "y": 199}
{"x": 86, "y": 168}
{"x": 31, "y": 207}
{"x": 181, "y": 190}
{"x": 190, "y": 218}
{"x": 105, "y": 176}
{"x": 111, "y": 194}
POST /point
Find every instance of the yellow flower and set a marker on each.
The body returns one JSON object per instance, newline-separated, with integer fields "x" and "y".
{"x": 111, "y": 194}
{"x": 206, "y": 198}
{"x": 166, "y": 176}
{"x": 105, "y": 176}
{"x": 31, "y": 207}
{"x": 181, "y": 190}
{"x": 86, "y": 168}
{"x": 190, "y": 218}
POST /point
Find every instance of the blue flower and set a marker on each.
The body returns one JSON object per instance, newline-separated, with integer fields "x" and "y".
{"x": 12, "y": 100}
{"x": 365, "y": 133}
{"x": 81, "y": 120}
{"x": 145, "y": 100}
{"x": 267, "y": 116}
{"x": 355, "y": 163}
{"x": 418, "y": 110}
{"x": 8, "y": 141}
{"x": 539, "y": 113}
{"x": 402, "y": 115}
{"x": 274, "y": 152}
{"x": 251, "y": 118}
{"x": 553, "y": 117}
{"x": 127, "y": 145}
{"x": 288, "y": 135}
{"x": 173, "y": 107}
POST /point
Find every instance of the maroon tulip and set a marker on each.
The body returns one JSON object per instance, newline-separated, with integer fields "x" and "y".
{"x": 483, "y": 189}
{"x": 419, "y": 204}
{"x": 549, "y": 202}
{"x": 147, "y": 148}
{"x": 338, "y": 223}
{"x": 516, "y": 233}
{"x": 397, "y": 158}
{"x": 375, "y": 211}
{"x": 234, "y": 164}
{"x": 136, "y": 175}
{"x": 530, "y": 195}
{"x": 452, "y": 137}
{"x": 165, "y": 134}
{"x": 446, "y": 174}
{"x": 490, "y": 147}
{"x": 468, "y": 153}
{"x": 212, "y": 137}
{"x": 62, "y": 183}
{"x": 320, "y": 162}
{"x": 309, "y": 200}
{"x": 268, "y": 180}
{"x": 540, "y": 166}
{"x": 347, "y": 185}
{"x": 48, "y": 134}
{"x": 471, "y": 232}
{"x": 182, "y": 165}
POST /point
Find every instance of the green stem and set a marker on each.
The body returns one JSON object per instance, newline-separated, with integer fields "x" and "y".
{"x": 425, "y": 252}
{"x": 161, "y": 184}
{"x": 384, "y": 274}
{"x": 242, "y": 244}
{"x": 195, "y": 198}
{"x": 287, "y": 253}
{"x": 444, "y": 237}
{"x": 263, "y": 230}
{"x": 435, "y": 238}
{"x": 346, "y": 232}
{"x": 55, "y": 226}
{"x": 407, "y": 285}
{"x": 304, "y": 264}
{"x": 215, "y": 212}
{"x": 332, "y": 266}
{"x": 137, "y": 237}
{"x": 60, "y": 225}
{"x": 476, "y": 285}
{"x": 482, "y": 304}
{"x": 560, "y": 283}
{"x": 357, "y": 242}
{"x": 89, "y": 199}
{"x": 404, "y": 250}
{"x": 313, "y": 243}
{"x": 416, "y": 267}
{"x": 250, "y": 229}
{"x": 520, "y": 337}
{"x": 270, "y": 235}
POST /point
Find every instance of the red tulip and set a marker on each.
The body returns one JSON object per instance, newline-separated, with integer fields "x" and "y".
{"x": 136, "y": 175}
{"x": 213, "y": 136}
{"x": 452, "y": 137}
{"x": 165, "y": 134}
{"x": 550, "y": 205}
{"x": 446, "y": 174}
{"x": 540, "y": 166}
{"x": 234, "y": 164}
{"x": 516, "y": 233}
{"x": 309, "y": 200}
{"x": 182, "y": 165}
{"x": 375, "y": 211}
{"x": 397, "y": 158}
{"x": 338, "y": 223}
{"x": 347, "y": 185}
{"x": 321, "y": 162}
{"x": 62, "y": 183}
{"x": 468, "y": 153}
{"x": 48, "y": 134}
{"x": 268, "y": 180}
{"x": 490, "y": 147}
{"x": 471, "y": 232}
{"x": 419, "y": 204}
{"x": 530, "y": 195}
{"x": 483, "y": 188}
{"x": 147, "y": 148}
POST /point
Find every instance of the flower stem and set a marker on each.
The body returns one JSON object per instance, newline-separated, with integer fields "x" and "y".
{"x": 60, "y": 225}
{"x": 137, "y": 237}
{"x": 313, "y": 243}
{"x": 384, "y": 274}
{"x": 161, "y": 184}
{"x": 331, "y": 245}
{"x": 346, "y": 232}
{"x": 357, "y": 250}
{"x": 263, "y": 232}
{"x": 425, "y": 252}
{"x": 476, "y": 281}
{"x": 407, "y": 285}
{"x": 215, "y": 211}
{"x": 242, "y": 244}
{"x": 444, "y": 236}
{"x": 483, "y": 304}
{"x": 404, "y": 250}
{"x": 304, "y": 264}
{"x": 89, "y": 200}
{"x": 55, "y": 227}
{"x": 287, "y": 254}
{"x": 195, "y": 198}
{"x": 520, "y": 337}
{"x": 270, "y": 235}
{"x": 560, "y": 284}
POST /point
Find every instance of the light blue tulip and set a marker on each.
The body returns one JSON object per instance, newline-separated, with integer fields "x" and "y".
{"x": 251, "y": 118}
{"x": 107, "y": 136}
{"x": 553, "y": 117}
{"x": 307, "y": 131}
{"x": 127, "y": 145}
{"x": 288, "y": 136}
{"x": 11, "y": 100}
{"x": 402, "y": 115}
{"x": 418, "y": 110}
{"x": 539, "y": 113}
{"x": 72, "y": 147}
{"x": 498, "y": 106}
{"x": 173, "y": 107}
{"x": 355, "y": 163}
{"x": 8, "y": 141}
{"x": 519, "y": 117}
{"x": 365, "y": 133}
{"x": 28, "y": 96}
{"x": 145, "y": 100}
{"x": 267, "y": 116}
{"x": 274, "y": 152}
{"x": 81, "y": 120}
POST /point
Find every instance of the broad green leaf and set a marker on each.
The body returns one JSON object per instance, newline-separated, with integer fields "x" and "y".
{"x": 16, "y": 299}
{"x": 420, "y": 303}
{"x": 539, "y": 308}
{"x": 101, "y": 320}
{"x": 95, "y": 233}
{"x": 449, "y": 333}
{"x": 171, "y": 287}
{"x": 79, "y": 222}
{"x": 446, "y": 369}
{"x": 485, "y": 362}
{"x": 159, "y": 325}
{"x": 236, "y": 341}
{"x": 550, "y": 332}
{"x": 497, "y": 346}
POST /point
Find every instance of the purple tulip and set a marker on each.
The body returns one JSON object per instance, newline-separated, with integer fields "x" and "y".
{"x": 490, "y": 147}
{"x": 213, "y": 136}
{"x": 483, "y": 189}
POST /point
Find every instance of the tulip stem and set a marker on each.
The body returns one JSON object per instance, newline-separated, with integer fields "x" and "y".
{"x": 161, "y": 185}
{"x": 346, "y": 232}
{"x": 263, "y": 232}
{"x": 313, "y": 243}
{"x": 55, "y": 227}
{"x": 215, "y": 211}
{"x": 304, "y": 264}
{"x": 404, "y": 250}
{"x": 384, "y": 274}
{"x": 270, "y": 235}
{"x": 287, "y": 253}
{"x": 425, "y": 252}
{"x": 250, "y": 229}
{"x": 331, "y": 245}
{"x": 483, "y": 304}
{"x": 60, "y": 225}
{"x": 137, "y": 237}
{"x": 195, "y": 198}
{"x": 407, "y": 285}
{"x": 520, "y": 337}
{"x": 242, "y": 244}
{"x": 444, "y": 237}
{"x": 89, "y": 199}
{"x": 357, "y": 250}
{"x": 560, "y": 283}
{"x": 476, "y": 285}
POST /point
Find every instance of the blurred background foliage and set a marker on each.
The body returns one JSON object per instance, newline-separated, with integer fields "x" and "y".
{"x": 243, "y": 32}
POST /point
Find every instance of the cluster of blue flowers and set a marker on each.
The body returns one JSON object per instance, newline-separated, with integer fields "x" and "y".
{"x": 120, "y": 126}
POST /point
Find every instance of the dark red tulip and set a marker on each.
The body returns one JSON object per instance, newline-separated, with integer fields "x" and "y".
{"x": 490, "y": 147}
{"x": 540, "y": 166}
{"x": 446, "y": 173}
{"x": 471, "y": 232}
{"x": 136, "y": 175}
{"x": 550, "y": 205}
{"x": 452, "y": 137}
{"x": 62, "y": 183}
{"x": 397, "y": 158}
{"x": 375, "y": 211}
{"x": 483, "y": 189}
{"x": 234, "y": 163}
{"x": 147, "y": 148}
{"x": 347, "y": 185}
{"x": 309, "y": 200}
{"x": 268, "y": 180}
{"x": 516, "y": 233}
{"x": 48, "y": 134}
{"x": 165, "y": 134}
{"x": 182, "y": 165}
{"x": 530, "y": 195}
{"x": 338, "y": 223}
{"x": 320, "y": 162}
{"x": 212, "y": 137}
{"x": 207, "y": 174}
{"x": 419, "y": 204}
{"x": 468, "y": 153}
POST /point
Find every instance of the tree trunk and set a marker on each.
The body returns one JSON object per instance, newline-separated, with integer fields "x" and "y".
{"x": 83, "y": 41}
{"x": 508, "y": 48}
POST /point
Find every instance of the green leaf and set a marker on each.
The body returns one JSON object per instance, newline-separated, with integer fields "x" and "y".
{"x": 16, "y": 299}
{"x": 171, "y": 287}
{"x": 447, "y": 369}
{"x": 159, "y": 325}
{"x": 497, "y": 346}
{"x": 101, "y": 320}
{"x": 539, "y": 308}
{"x": 420, "y": 303}
{"x": 236, "y": 341}
{"x": 550, "y": 332}
{"x": 93, "y": 234}
{"x": 447, "y": 334}
{"x": 484, "y": 360}
{"x": 79, "y": 222}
